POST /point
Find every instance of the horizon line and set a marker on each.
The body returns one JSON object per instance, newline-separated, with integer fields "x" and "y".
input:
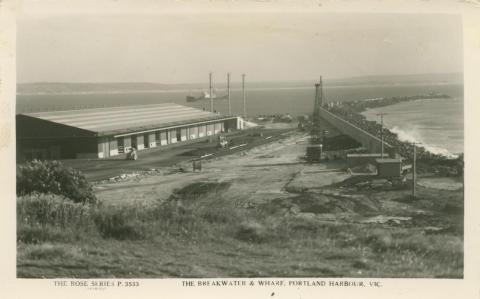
{"x": 256, "y": 81}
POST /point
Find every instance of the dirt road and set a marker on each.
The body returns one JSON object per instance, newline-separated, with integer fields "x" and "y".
{"x": 161, "y": 157}
{"x": 257, "y": 175}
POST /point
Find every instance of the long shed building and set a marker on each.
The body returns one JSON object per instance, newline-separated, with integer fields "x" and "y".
{"x": 107, "y": 132}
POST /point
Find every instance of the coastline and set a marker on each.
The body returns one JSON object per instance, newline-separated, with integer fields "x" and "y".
{"x": 427, "y": 162}
{"x": 436, "y": 124}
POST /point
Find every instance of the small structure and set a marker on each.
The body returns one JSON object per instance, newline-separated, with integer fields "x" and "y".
{"x": 197, "y": 165}
{"x": 335, "y": 154}
{"x": 389, "y": 168}
{"x": 314, "y": 153}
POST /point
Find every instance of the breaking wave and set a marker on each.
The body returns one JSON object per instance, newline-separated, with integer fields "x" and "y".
{"x": 415, "y": 136}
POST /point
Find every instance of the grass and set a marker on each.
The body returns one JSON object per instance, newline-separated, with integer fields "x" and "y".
{"x": 199, "y": 232}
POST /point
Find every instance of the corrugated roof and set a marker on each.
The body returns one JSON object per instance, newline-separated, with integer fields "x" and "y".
{"x": 126, "y": 118}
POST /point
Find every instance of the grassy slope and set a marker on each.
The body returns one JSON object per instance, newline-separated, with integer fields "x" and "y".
{"x": 199, "y": 232}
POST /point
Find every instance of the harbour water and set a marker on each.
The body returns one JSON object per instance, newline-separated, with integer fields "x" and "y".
{"x": 437, "y": 123}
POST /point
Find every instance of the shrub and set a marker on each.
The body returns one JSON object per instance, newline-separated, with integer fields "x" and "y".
{"x": 120, "y": 223}
{"x": 49, "y": 209}
{"x": 52, "y": 251}
{"x": 53, "y": 177}
{"x": 218, "y": 215}
{"x": 48, "y": 217}
{"x": 34, "y": 234}
{"x": 201, "y": 190}
{"x": 251, "y": 232}
{"x": 380, "y": 240}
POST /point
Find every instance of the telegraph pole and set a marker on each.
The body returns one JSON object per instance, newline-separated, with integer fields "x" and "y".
{"x": 414, "y": 179}
{"x": 210, "y": 93}
{"x": 321, "y": 92}
{"x": 244, "y": 98}
{"x": 381, "y": 130}
{"x": 228, "y": 93}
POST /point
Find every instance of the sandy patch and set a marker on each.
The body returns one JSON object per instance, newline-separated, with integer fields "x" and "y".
{"x": 440, "y": 183}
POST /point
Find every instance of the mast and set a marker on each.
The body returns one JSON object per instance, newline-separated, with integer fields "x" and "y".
{"x": 316, "y": 114}
{"x": 244, "y": 98}
{"x": 210, "y": 93}
{"x": 321, "y": 92}
{"x": 228, "y": 94}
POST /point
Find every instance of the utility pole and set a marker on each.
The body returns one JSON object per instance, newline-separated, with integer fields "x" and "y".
{"x": 244, "y": 99}
{"x": 211, "y": 101}
{"x": 321, "y": 92}
{"x": 381, "y": 130}
{"x": 210, "y": 93}
{"x": 228, "y": 93}
{"x": 317, "y": 102}
{"x": 414, "y": 179}
{"x": 315, "y": 132}
{"x": 314, "y": 150}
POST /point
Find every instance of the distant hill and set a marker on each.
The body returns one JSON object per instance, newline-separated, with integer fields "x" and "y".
{"x": 73, "y": 87}
{"x": 452, "y": 78}
{"x": 121, "y": 87}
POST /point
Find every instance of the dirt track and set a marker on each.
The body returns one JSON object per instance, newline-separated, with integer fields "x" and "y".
{"x": 165, "y": 156}
{"x": 256, "y": 175}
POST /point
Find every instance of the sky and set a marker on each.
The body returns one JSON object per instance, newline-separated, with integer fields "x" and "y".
{"x": 184, "y": 47}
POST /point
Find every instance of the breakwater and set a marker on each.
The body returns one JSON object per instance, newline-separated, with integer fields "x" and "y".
{"x": 347, "y": 119}
{"x": 347, "y": 116}
{"x": 350, "y": 113}
{"x": 368, "y": 140}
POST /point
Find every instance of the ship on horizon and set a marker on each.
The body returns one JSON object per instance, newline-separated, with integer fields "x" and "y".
{"x": 205, "y": 96}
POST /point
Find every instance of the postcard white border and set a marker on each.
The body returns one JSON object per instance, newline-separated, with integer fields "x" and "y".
{"x": 10, "y": 287}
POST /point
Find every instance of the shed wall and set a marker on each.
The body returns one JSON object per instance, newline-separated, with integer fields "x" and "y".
{"x": 37, "y": 138}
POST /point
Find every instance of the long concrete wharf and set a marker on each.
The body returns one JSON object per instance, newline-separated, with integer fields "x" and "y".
{"x": 369, "y": 141}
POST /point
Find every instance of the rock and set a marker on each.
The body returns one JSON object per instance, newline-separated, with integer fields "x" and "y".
{"x": 386, "y": 219}
{"x": 294, "y": 209}
{"x": 307, "y": 215}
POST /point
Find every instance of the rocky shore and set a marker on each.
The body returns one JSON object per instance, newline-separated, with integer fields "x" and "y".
{"x": 428, "y": 162}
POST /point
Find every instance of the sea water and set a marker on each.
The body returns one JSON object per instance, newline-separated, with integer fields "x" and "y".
{"x": 435, "y": 123}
